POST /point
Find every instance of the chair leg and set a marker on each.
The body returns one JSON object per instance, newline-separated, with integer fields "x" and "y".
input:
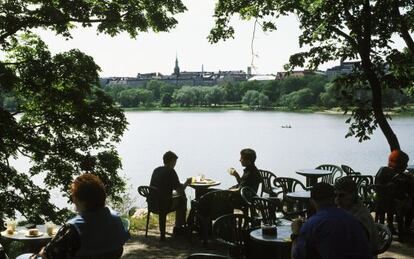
{"x": 146, "y": 228}
{"x": 162, "y": 218}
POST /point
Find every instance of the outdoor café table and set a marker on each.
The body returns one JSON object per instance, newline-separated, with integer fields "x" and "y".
{"x": 302, "y": 196}
{"x": 299, "y": 195}
{"x": 201, "y": 187}
{"x": 272, "y": 246}
{"x": 312, "y": 175}
{"x": 34, "y": 243}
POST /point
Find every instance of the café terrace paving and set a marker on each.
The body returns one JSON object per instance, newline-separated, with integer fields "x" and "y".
{"x": 181, "y": 247}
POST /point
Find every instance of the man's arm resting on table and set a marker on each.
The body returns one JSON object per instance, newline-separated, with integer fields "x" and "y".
{"x": 181, "y": 187}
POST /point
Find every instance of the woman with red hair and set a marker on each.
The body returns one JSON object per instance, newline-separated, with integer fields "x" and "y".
{"x": 96, "y": 232}
{"x": 394, "y": 192}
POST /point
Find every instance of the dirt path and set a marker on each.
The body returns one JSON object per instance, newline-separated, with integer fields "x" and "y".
{"x": 180, "y": 247}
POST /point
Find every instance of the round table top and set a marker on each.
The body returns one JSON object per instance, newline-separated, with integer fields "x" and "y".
{"x": 204, "y": 184}
{"x": 299, "y": 195}
{"x": 283, "y": 235}
{"x": 313, "y": 172}
{"x": 21, "y": 234}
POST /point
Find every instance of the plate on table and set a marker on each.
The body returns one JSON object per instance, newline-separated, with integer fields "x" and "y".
{"x": 205, "y": 181}
{"x": 38, "y": 234}
{"x": 4, "y": 233}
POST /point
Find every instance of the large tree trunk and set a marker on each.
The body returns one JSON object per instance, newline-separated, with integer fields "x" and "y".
{"x": 377, "y": 103}
{"x": 364, "y": 44}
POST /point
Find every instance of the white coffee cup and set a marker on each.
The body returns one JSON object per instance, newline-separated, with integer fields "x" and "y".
{"x": 50, "y": 228}
{"x": 10, "y": 224}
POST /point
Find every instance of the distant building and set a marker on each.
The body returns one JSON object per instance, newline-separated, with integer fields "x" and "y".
{"x": 178, "y": 77}
{"x": 297, "y": 73}
{"x": 344, "y": 68}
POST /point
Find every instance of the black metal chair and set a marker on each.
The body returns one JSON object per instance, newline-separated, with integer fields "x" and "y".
{"x": 349, "y": 171}
{"x": 207, "y": 256}
{"x": 385, "y": 238}
{"x": 291, "y": 207}
{"x": 267, "y": 189}
{"x": 336, "y": 172}
{"x": 247, "y": 195}
{"x": 152, "y": 195}
{"x": 267, "y": 209}
{"x": 232, "y": 231}
{"x": 211, "y": 206}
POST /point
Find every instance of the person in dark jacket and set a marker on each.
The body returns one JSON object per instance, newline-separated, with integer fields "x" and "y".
{"x": 394, "y": 191}
{"x": 251, "y": 176}
{"x": 329, "y": 233}
{"x": 165, "y": 178}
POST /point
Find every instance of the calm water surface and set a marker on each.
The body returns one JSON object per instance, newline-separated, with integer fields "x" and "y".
{"x": 209, "y": 143}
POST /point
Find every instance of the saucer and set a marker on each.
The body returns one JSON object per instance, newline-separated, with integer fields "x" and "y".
{"x": 4, "y": 233}
{"x": 38, "y": 234}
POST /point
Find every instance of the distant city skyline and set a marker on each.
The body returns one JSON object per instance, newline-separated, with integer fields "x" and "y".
{"x": 156, "y": 52}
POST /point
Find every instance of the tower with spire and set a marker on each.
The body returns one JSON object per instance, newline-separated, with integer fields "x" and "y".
{"x": 176, "y": 68}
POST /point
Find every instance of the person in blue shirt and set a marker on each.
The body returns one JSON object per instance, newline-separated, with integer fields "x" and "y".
{"x": 329, "y": 233}
{"x": 96, "y": 232}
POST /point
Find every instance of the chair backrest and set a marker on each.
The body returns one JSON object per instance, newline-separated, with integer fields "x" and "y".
{"x": 151, "y": 194}
{"x": 267, "y": 181}
{"x": 289, "y": 184}
{"x": 336, "y": 172}
{"x": 230, "y": 230}
{"x": 248, "y": 194}
{"x": 384, "y": 236}
{"x": 207, "y": 256}
{"x": 217, "y": 203}
{"x": 267, "y": 209}
{"x": 348, "y": 170}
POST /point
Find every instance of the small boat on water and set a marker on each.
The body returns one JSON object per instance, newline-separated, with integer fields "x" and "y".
{"x": 286, "y": 126}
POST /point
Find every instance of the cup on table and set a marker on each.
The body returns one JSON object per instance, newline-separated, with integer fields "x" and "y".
{"x": 198, "y": 178}
{"x": 10, "y": 225}
{"x": 231, "y": 171}
{"x": 50, "y": 228}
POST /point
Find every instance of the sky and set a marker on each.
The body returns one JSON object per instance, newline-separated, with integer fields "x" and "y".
{"x": 156, "y": 52}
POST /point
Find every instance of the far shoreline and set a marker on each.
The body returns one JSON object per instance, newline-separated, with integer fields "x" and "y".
{"x": 399, "y": 111}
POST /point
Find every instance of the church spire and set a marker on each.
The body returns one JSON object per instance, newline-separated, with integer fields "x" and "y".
{"x": 176, "y": 68}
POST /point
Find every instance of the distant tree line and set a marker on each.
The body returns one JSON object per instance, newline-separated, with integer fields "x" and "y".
{"x": 292, "y": 93}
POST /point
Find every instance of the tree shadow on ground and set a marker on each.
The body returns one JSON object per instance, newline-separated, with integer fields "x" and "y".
{"x": 173, "y": 247}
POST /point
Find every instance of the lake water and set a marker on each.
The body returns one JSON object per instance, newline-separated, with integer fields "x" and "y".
{"x": 209, "y": 143}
